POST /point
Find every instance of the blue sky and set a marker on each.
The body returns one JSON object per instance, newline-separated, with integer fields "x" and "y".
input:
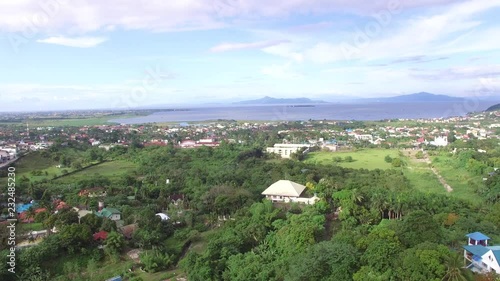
{"x": 61, "y": 54}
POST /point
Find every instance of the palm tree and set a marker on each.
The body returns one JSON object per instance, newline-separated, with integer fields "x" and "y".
{"x": 378, "y": 202}
{"x": 455, "y": 270}
{"x": 356, "y": 196}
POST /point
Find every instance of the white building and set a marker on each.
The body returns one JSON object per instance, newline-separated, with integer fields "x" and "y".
{"x": 4, "y": 156}
{"x": 440, "y": 141}
{"x": 365, "y": 137}
{"x": 480, "y": 257}
{"x": 11, "y": 150}
{"x": 288, "y": 191}
{"x": 285, "y": 150}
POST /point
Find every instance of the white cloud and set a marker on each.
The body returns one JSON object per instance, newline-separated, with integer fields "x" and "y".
{"x": 224, "y": 47}
{"x": 83, "y": 16}
{"x": 284, "y": 71}
{"x": 284, "y": 51}
{"x": 56, "y": 97}
{"x": 448, "y": 32}
{"x": 78, "y": 42}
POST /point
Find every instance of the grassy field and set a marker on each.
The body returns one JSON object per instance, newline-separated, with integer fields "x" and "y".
{"x": 34, "y": 161}
{"x": 459, "y": 179}
{"x": 418, "y": 172}
{"x": 31, "y": 162}
{"x": 113, "y": 170}
{"x": 77, "y": 122}
{"x": 422, "y": 178}
{"x": 362, "y": 159}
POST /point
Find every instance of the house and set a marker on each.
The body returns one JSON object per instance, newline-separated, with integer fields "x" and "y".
{"x": 59, "y": 204}
{"x": 81, "y": 213}
{"x": 101, "y": 235}
{"x": 479, "y": 256}
{"x": 187, "y": 143}
{"x": 110, "y": 213}
{"x": 26, "y": 218}
{"x": 363, "y": 137}
{"x": 288, "y": 191}
{"x": 440, "y": 141}
{"x": 4, "y": 156}
{"x": 285, "y": 150}
{"x": 128, "y": 230}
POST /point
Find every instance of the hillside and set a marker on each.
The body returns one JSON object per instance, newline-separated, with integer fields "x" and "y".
{"x": 494, "y": 107}
{"x": 417, "y": 97}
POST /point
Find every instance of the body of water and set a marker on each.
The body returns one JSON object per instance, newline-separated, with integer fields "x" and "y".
{"x": 331, "y": 111}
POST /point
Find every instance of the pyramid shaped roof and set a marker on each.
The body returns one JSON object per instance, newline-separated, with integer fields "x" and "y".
{"x": 285, "y": 188}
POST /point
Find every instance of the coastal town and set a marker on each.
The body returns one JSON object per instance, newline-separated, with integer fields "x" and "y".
{"x": 92, "y": 179}
{"x": 331, "y": 135}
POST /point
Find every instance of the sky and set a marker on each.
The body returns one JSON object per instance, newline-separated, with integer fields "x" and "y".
{"x": 89, "y": 54}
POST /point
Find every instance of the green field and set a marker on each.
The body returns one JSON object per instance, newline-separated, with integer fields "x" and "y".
{"x": 76, "y": 122}
{"x": 462, "y": 182}
{"x": 362, "y": 159}
{"x": 418, "y": 173}
{"x": 31, "y": 162}
{"x": 422, "y": 178}
{"x": 113, "y": 170}
{"x": 34, "y": 161}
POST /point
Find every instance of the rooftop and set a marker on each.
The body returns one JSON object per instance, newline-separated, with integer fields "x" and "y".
{"x": 477, "y": 250}
{"x": 478, "y": 236}
{"x": 284, "y": 188}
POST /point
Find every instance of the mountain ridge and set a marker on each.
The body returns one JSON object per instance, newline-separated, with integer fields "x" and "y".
{"x": 493, "y": 108}
{"x": 416, "y": 97}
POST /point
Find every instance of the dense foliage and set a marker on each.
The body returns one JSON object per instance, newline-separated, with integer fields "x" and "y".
{"x": 369, "y": 224}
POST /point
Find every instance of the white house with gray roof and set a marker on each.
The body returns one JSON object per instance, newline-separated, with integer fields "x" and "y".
{"x": 288, "y": 191}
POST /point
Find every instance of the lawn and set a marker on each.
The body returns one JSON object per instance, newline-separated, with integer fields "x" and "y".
{"x": 417, "y": 172}
{"x": 462, "y": 182}
{"x": 34, "y": 161}
{"x": 112, "y": 170}
{"x": 362, "y": 159}
{"x": 423, "y": 179}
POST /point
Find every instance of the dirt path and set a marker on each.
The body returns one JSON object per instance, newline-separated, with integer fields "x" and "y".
{"x": 440, "y": 178}
{"x": 426, "y": 160}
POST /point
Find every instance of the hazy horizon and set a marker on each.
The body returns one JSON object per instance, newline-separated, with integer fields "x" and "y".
{"x": 79, "y": 55}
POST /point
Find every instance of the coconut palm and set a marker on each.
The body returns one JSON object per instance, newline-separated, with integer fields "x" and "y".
{"x": 455, "y": 271}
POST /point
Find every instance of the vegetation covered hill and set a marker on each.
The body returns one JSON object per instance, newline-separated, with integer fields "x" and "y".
{"x": 494, "y": 107}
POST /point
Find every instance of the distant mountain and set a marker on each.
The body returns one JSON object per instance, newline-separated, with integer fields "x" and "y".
{"x": 270, "y": 100}
{"x": 418, "y": 97}
{"x": 494, "y": 107}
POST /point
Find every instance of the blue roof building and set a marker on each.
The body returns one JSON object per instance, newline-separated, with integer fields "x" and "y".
{"x": 480, "y": 257}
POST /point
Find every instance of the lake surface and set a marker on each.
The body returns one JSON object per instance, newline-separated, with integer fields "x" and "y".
{"x": 331, "y": 111}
